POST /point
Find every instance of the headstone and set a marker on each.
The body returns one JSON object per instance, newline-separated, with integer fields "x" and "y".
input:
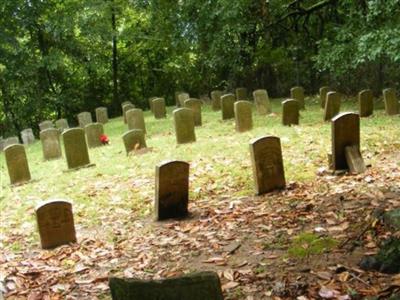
{"x": 151, "y": 103}
{"x": 55, "y": 222}
{"x": 243, "y": 115}
{"x": 216, "y": 100}
{"x": 345, "y": 132}
{"x": 261, "y": 100}
{"x": 227, "y": 106}
{"x": 45, "y": 125}
{"x": 290, "y": 112}
{"x": 102, "y": 115}
{"x": 84, "y": 118}
{"x": 61, "y": 125}
{"x": 134, "y": 140}
{"x": 125, "y": 103}
{"x": 323, "y": 91}
{"x": 177, "y": 98}
{"x": 297, "y": 93}
{"x": 182, "y": 97}
{"x": 135, "y": 119}
{"x": 332, "y": 105}
{"x": 51, "y": 147}
{"x": 11, "y": 141}
{"x": 75, "y": 148}
{"x": 93, "y": 133}
{"x": 27, "y": 136}
{"x": 365, "y": 103}
{"x": 195, "y": 105}
{"x": 196, "y": 286}
{"x": 125, "y": 108}
{"x": 267, "y": 163}
{"x": 2, "y": 142}
{"x": 241, "y": 94}
{"x": 184, "y": 125}
{"x": 391, "y": 102}
{"x": 17, "y": 164}
{"x": 354, "y": 160}
{"x": 172, "y": 190}
{"x": 159, "y": 110}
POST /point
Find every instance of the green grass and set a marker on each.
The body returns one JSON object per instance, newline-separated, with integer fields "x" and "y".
{"x": 307, "y": 244}
{"x": 120, "y": 188}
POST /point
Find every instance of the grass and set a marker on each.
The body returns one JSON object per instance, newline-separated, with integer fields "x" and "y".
{"x": 307, "y": 244}
{"x": 120, "y": 188}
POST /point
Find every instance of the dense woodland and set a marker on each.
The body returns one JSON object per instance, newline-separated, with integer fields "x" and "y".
{"x": 58, "y": 58}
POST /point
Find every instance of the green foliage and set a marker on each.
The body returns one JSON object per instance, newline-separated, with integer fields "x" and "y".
{"x": 307, "y": 244}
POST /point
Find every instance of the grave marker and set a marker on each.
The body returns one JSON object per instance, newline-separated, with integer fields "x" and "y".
{"x": 135, "y": 119}
{"x": 61, "y": 125}
{"x": 297, "y": 93}
{"x": 102, "y": 115}
{"x": 332, "y": 105}
{"x": 195, "y": 105}
{"x": 391, "y": 102}
{"x": 93, "y": 133}
{"x": 75, "y": 148}
{"x": 182, "y": 97}
{"x": 227, "y": 106}
{"x": 159, "y": 110}
{"x": 11, "y": 141}
{"x": 51, "y": 147}
{"x": 17, "y": 163}
{"x": 151, "y": 103}
{"x": 290, "y": 112}
{"x": 133, "y": 140}
{"x": 45, "y": 125}
{"x": 27, "y": 136}
{"x": 243, "y": 115}
{"x": 241, "y": 94}
{"x": 216, "y": 100}
{"x": 84, "y": 118}
{"x": 125, "y": 109}
{"x": 184, "y": 125}
{"x": 323, "y": 91}
{"x": 365, "y": 103}
{"x": 261, "y": 100}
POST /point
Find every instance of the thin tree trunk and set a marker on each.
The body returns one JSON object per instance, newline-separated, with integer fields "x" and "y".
{"x": 114, "y": 57}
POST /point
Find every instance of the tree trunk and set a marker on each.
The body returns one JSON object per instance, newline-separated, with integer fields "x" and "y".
{"x": 114, "y": 57}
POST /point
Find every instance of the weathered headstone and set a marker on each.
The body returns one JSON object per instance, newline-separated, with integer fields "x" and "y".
{"x": 61, "y": 125}
{"x": 51, "y": 147}
{"x": 125, "y": 103}
{"x": 177, "y": 103}
{"x": 365, "y": 103}
{"x": 102, "y": 115}
{"x": 243, "y": 115}
{"x": 55, "y": 222}
{"x": 93, "y": 133}
{"x": 391, "y": 102}
{"x": 125, "y": 108}
{"x": 172, "y": 190}
{"x": 159, "y": 110}
{"x": 134, "y": 140}
{"x": 332, "y": 105}
{"x": 195, "y": 105}
{"x": 45, "y": 125}
{"x": 241, "y": 94}
{"x": 323, "y": 91}
{"x": 27, "y": 136}
{"x": 227, "y": 106}
{"x": 151, "y": 103}
{"x": 184, "y": 125}
{"x": 75, "y": 148}
{"x": 297, "y": 93}
{"x": 135, "y": 119}
{"x": 11, "y": 141}
{"x": 1, "y": 148}
{"x": 196, "y": 286}
{"x": 261, "y": 100}
{"x": 182, "y": 97}
{"x": 216, "y": 100}
{"x": 290, "y": 112}
{"x": 345, "y": 133}
{"x": 17, "y": 164}
{"x": 84, "y": 118}
{"x": 267, "y": 164}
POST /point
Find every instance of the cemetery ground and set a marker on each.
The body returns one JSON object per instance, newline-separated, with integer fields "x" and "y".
{"x": 305, "y": 241}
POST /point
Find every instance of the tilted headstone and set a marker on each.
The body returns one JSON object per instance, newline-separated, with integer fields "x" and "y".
{"x": 243, "y": 115}
{"x": 159, "y": 110}
{"x": 345, "y": 133}
{"x": 241, "y": 94}
{"x": 196, "y": 286}
{"x": 11, "y": 141}
{"x": 172, "y": 190}
{"x": 55, "y": 222}
{"x": 135, "y": 119}
{"x": 184, "y": 125}
{"x": 290, "y": 112}
{"x": 102, "y": 115}
{"x": 297, "y": 93}
{"x": 61, "y": 125}
{"x": 227, "y": 106}
{"x": 182, "y": 97}
{"x": 134, "y": 140}
{"x": 216, "y": 100}
{"x": 125, "y": 108}
{"x": 84, "y": 118}
{"x": 93, "y": 133}
{"x": 45, "y": 125}
{"x": 332, "y": 105}
{"x": 27, "y": 136}
{"x": 75, "y": 148}
{"x": 17, "y": 164}
{"x": 323, "y": 91}
{"x": 195, "y": 105}
{"x": 365, "y": 103}
{"x": 261, "y": 100}
{"x": 51, "y": 146}
{"x": 391, "y": 102}
{"x": 267, "y": 164}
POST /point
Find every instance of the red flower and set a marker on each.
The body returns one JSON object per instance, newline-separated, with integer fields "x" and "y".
{"x": 104, "y": 139}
